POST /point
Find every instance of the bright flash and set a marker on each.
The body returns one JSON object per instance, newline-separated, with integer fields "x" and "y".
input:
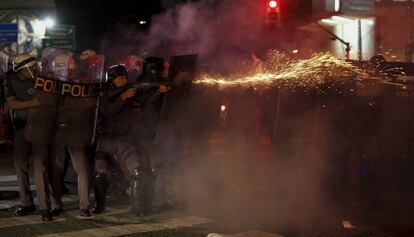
{"x": 273, "y": 4}
{"x": 223, "y": 108}
{"x": 295, "y": 51}
{"x": 49, "y": 22}
{"x": 279, "y": 70}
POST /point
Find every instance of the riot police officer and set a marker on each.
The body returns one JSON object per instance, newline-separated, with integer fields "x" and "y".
{"x": 39, "y": 131}
{"x": 121, "y": 138}
{"x": 73, "y": 135}
{"x": 20, "y": 98}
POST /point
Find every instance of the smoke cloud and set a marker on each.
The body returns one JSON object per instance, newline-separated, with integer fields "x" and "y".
{"x": 286, "y": 189}
{"x": 221, "y": 32}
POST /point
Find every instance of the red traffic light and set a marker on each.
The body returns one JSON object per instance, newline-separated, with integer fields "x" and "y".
{"x": 273, "y": 4}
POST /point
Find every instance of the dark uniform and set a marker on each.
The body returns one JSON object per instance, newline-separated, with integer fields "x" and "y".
{"x": 73, "y": 131}
{"x": 39, "y": 131}
{"x": 73, "y": 134}
{"x": 21, "y": 89}
{"x": 33, "y": 123}
{"x": 121, "y": 140}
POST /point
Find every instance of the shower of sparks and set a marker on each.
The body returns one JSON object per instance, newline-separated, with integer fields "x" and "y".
{"x": 378, "y": 71}
{"x": 281, "y": 71}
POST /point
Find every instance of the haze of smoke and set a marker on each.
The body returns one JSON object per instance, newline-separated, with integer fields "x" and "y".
{"x": 241, "y": 189}
{"x": 219, "y": 31}
{"x": 281, "y": 192}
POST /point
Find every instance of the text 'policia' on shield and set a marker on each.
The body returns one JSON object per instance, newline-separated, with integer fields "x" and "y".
{"x": 65, "y": 88}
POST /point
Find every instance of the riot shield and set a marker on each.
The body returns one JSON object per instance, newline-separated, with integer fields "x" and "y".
{"x": 57, "y": 64}
{"x": 41, "y": 121}
{"x": 74, "y": 85}
{"x": 90, "y": 71}
{"x": 70, "y": 86}
{"x": 133, "y": 64}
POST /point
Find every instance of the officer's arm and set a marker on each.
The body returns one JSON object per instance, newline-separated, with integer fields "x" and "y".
{"x": 111, "y": 107}
{"x": 15, "y": 103}
{"x": 154, "y": 97}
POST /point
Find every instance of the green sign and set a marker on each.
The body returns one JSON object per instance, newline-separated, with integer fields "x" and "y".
{"x": 60, "y": 31}
{"x": 60, "y": 36}
{"x": 68, "y": 43}
{"x": 357, "y": 6}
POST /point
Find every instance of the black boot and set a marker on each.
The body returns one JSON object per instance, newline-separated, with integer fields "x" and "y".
{"x": 56, "y": 211}
{"x": 22, "y": 210}
{"x": 101, "y": 187}
{"x": 142, "y": 192}
{"x": 46, "y": 215}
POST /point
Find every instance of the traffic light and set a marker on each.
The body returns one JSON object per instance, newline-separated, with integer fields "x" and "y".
{"x": 273, "y": 12}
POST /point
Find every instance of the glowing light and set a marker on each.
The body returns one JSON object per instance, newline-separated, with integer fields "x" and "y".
{"x": 273, "y": 4}
{"x": 342, "y": 19}
{"x": 278, "y": 70}
{"x": 39, "y": 28}
{"x": 337, "y": 6}
{"x": 49, "y": 22}
{"x": 142, "y": 22}
{"x": 223, "y": 108}
{"x": 329, "y": 21}
{"x": 295, "y": 51}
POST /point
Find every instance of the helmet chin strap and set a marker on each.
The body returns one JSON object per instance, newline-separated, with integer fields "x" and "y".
{"x": 30, "y": 71}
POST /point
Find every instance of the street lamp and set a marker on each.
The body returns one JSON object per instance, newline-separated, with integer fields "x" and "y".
{"x": 49, "y": 22}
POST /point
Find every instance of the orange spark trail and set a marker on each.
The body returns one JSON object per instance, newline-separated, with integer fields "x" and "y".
{"x": 281, "y": 71}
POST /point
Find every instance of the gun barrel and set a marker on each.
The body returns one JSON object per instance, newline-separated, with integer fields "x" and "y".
{"x": 146, "y": 85}
{"x": 140, "y": 85}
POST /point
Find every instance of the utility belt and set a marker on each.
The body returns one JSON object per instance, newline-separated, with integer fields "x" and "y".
{"x": 18, "y": 117}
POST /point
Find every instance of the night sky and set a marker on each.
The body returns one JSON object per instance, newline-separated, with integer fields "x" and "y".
{"x": 93, "y": 17}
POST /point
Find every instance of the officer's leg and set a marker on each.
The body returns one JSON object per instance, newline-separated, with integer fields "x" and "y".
{"x": 41, "y": 172}
{"x": 142, "y": 180}
{"x": 79, "y": 160}
{"x": 100, "y": 181}
{"x": 56, "y": 168}
{"x": 65, "y": 190}
{"x": 21, "y": 163}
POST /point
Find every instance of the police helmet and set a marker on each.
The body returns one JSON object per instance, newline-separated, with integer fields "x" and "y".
{"x": 23, "y": 61}
{"x": 153, "y": 65}
{"x": 114, "y": 71}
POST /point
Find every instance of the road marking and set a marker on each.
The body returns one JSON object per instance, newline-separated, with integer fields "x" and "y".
{"x": 5, "y": 204}
{"x": 173, "y": 223}
{"x": 36, "y": 219}
{"x": 15, "y": 188}
{"x": 8, "y": 178}
{"x": 245, "y": 234}
{"x": 108, "y": 211}
{"x": 25, "y": 220}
